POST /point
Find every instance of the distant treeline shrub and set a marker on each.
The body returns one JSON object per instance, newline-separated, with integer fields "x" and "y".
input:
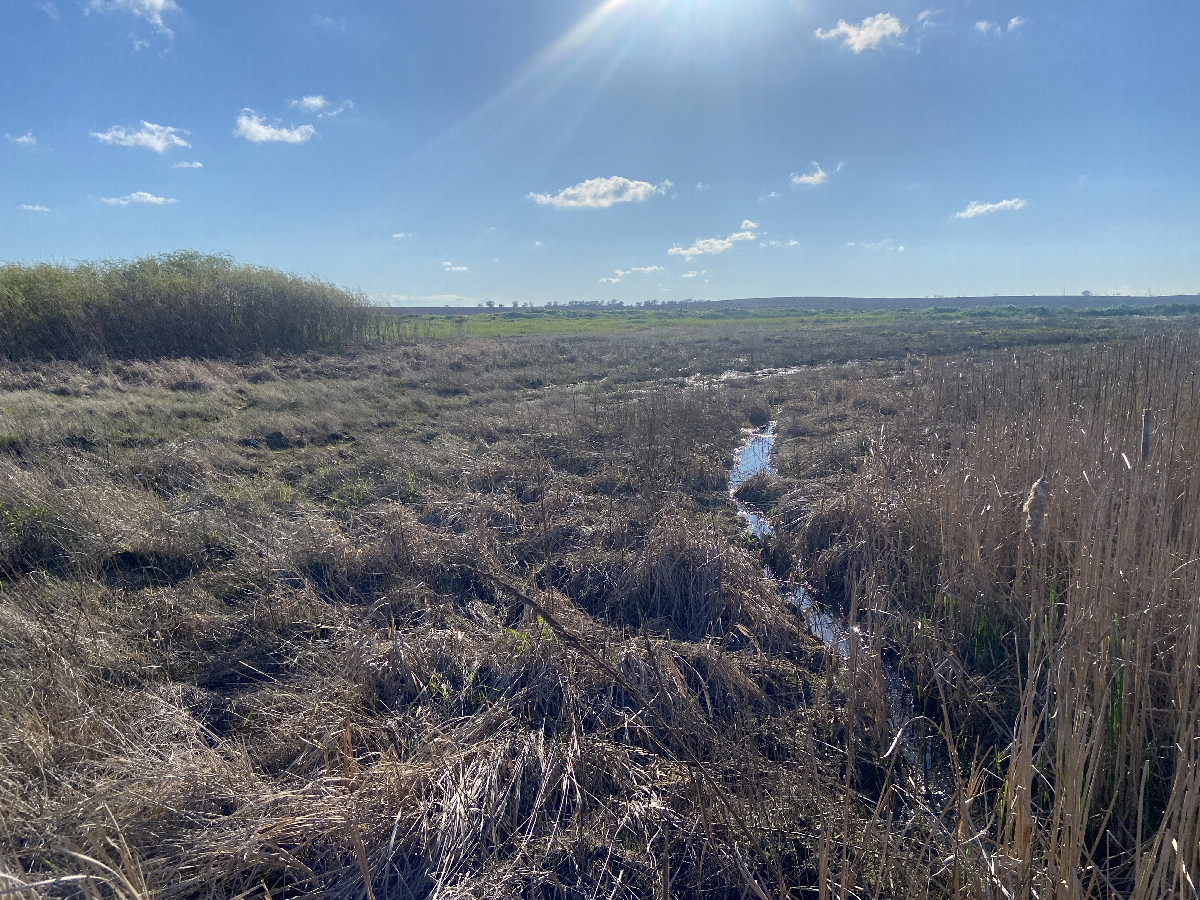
{"x": 176, "y": 304}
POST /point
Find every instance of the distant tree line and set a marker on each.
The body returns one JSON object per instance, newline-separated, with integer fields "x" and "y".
{"x": 176, "y": 304}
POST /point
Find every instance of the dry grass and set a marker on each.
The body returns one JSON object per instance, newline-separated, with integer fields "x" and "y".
{"x": 472, "y": 619}
{"x": 1024, "y": 538}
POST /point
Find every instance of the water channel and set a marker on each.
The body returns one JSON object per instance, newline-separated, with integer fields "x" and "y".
{"x": 752, "y": 458}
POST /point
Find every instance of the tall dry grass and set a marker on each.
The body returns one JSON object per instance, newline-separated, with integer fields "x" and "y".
{"x": 1026, "y": 539}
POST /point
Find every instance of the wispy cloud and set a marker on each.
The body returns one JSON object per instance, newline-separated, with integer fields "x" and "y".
{"x": 788, "y": 243}
{"x": 158, "y": 138}
{"x": 194, "y": 164}
{"x": 24, "y": 140}
{"x": 48, "y": 8}
{"x": 402, "y": 234}
{"x": 867, "y": 35}
{"x": 327, "y": 23}
{"x": 600, "y": 193}
{"x": 337, "y": 110}
{"x": 138, "y": 197}
{"x": 886, "y": 244}
{"x": 694, "y": 274}
{"x": 448, "y": 266}
{"x": 616, "y": 277}
{"x": 253, "y": 128}
{"x": 701, "y": 186}
{"x": 975, "y": 208}
{"x": 815, "y": 175}
{"x": 702, "y": 246}
{"x": 318, "y": 104}
{"x": 33, "y": 207}
{"x": 985, "y": 27}
{"x": 150, "y": 10}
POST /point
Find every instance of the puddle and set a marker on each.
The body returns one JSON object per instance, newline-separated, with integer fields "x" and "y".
{"x": 752, "y": 457}
{"x": 701, "y": 380}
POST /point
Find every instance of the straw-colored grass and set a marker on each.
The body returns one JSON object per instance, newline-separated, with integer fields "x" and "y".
{"x": 478, "y": 619}
{"x": 1026, "y": 538}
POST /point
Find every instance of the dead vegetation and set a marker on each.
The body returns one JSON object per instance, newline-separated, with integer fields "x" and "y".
{"x": 1021, "y": 543}
{"x": 397, "y": 623}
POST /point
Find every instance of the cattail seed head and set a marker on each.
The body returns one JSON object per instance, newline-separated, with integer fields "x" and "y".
{"x": 1036, "y": 505}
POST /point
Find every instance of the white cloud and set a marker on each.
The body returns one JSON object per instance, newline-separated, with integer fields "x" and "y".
{"x": 194, "y": 164}
{"x": 789, "y": 243}
{"x": 815, "y": 175}
{"x": 138, "y": 197}
{"x": 925, "y": 15}
{"x": 701, "y": 186}
{"x": 600, "y": 193}
{"x": 34, "y": 207}
{"x": 975, "y": 208}
{"x": 48, "y": 8}
{"x": 715, "y": 245}
{"x": 158, "y": 138}
{"x": 448, "y": 266}
{"x": 618, "y": 274}
{"x": 402, "y": 234}
{"x": 138, "y": 43}
{"x": 312, "y": 102}
{"x": 747, "y": 225}
{"x": 321, "y": 106}
{"x": 150, "y": 10}
{"x": 1016, "y": 22}
{"x": 987, "y": 27}
{"x": 25, "y": 140}
{"x": 252, "y": 128}
{"x": 867, "y": 35}
{"x": 774, "y": 195}
{"x": 691, "y": 274}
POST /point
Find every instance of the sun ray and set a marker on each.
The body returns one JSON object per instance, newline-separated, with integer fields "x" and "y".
{"x": 545, "y": 74}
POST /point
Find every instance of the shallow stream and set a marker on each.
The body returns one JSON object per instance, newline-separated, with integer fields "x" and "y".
{"x": 753, "y": 457}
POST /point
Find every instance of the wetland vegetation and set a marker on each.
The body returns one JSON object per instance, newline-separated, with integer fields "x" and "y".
{"x": 375, "y": 606}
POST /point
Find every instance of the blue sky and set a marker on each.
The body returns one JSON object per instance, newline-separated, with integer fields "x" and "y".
{"x": 538, "y": 150}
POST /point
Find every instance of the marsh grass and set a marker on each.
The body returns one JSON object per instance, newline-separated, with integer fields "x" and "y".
{"x": 1023, "y": 540}
{"x": 476, "y": 618}
{"x": 177, "y": 304}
